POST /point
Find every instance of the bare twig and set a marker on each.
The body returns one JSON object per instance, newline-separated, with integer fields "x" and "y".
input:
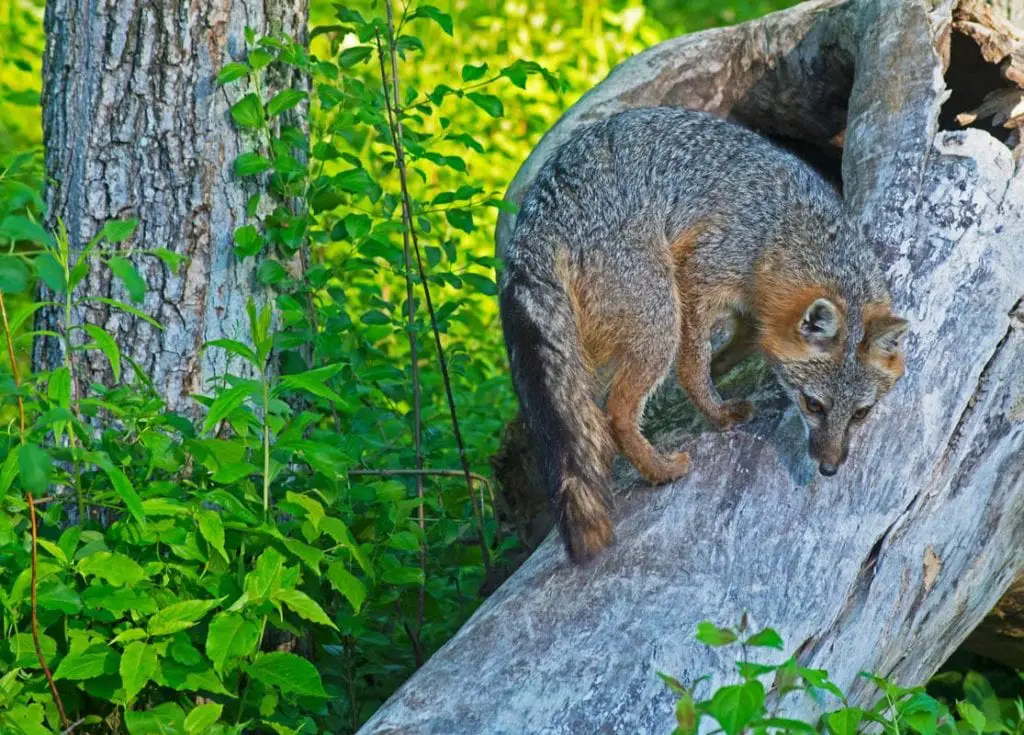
{"x": 394, "y": 113}
{"x": 35, "y": 617}
{"x": 395, "y": 126}
{"x": 14, "y": 364}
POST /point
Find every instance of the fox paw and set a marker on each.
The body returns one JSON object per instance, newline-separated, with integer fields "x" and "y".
{"x": 734, "y": 412}
{"x": 671, "y": 468}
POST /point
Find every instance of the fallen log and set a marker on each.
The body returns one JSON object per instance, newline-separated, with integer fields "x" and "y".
{"x": 886, "y": 567}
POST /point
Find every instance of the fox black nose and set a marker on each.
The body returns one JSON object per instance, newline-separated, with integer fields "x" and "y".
{"x": 828, "y": 469}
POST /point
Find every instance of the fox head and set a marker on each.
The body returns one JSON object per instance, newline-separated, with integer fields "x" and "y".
{"x": 836, "y": 368}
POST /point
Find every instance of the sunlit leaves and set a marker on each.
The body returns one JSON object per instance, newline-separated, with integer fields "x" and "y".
{"x": 248, "y": 112}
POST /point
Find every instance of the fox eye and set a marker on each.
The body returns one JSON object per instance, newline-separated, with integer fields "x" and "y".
{"x": 861, "y": 413}
{"x": 813, "y": 405}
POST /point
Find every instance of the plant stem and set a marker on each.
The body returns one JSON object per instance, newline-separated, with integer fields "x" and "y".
{"x": 395, "y": 115}
{"x": 395, "y": 127}
{"x": 35, "y": 617}
{"x": 14, "y": 366}
{"x": 266, "y": 444}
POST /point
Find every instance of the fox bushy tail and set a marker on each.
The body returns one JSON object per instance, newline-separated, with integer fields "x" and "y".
{"x": 569, "y": 432}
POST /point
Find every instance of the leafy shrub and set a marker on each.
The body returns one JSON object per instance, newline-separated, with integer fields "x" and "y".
{"x": 756, "y": 703}
{"x": 238, "y": 574}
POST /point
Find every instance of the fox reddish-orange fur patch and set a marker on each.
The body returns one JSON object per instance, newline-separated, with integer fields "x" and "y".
{"x": 780, "y": 308}
{"x": 877, "y": 315}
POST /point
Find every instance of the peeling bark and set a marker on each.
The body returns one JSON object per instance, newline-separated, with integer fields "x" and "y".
{"x": 135, "y": 126}
{"x": 891, "y": 564}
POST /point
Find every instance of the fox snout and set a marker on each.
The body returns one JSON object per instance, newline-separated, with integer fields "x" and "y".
{"x": 830, "y": 456}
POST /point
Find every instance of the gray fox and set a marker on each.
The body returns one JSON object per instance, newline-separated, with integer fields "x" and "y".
{"x": 637, "y": 235}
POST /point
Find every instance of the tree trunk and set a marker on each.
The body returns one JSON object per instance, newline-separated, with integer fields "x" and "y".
{"x": 136, "y": 126}
{"x": 891, "y": 564}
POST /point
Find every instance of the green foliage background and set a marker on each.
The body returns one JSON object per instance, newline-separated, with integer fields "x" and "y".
{"x": 233, "y": 575}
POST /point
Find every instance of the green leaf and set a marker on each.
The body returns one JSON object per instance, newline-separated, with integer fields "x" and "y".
{"x": 488, "y": 103}
{"x": 314, "y": 510}
{"x": 259, "y": 58}
{"x": 248, "y": 112}
{"x": 271, "y": 272}
{"x": 309, "y": 554}
{"x": 17, "y": 228}
{"x": 429, "y": 11}
{"x": 123, "y": 487}
{"x": 202, "y": 717}
{"x": 180, "y": 616}
{"x": 10, "y": 469}
{"x": 118, "y": 600}
{"x": 285, "y": 100}
{"x": 108, "y": 346}
{"x": 51, "y": 272}
{"x": 404, "y": 541}
{"x": 460, "y": 218}
{"x": 767, "y": 638}
{"x": 212, "y": 529}
{"x": 119, "y": 230}
{"x": 23, "y": 650}
{"x": 315, "y": 382}
{"x": 472, "y": 72}
{"x": 248, "y": 241}
{"x": 786, "y": 725}
{"x": 169, "y": 258}
{"x": 265, "y": 577}
{"x": 735, "y": 706}
{"x": 231, "y": 72}
{"x": 686, "y": 714}
{"x": 711, "y": 635}
{"x": 250, "y": 164}
{"x": 195, "y": 678}
{"x": 230, "y": 636}
{"x": 406, "y": 576}
{"x": 54, "y": 595}
{"x": 227, "y": 401}
{"x": 14, "y": 274}
{"x": 138, "y": 665}
{"x": 133, "y": 282}
{"x": 304, "y": 606}
{"x": 88, "y": 664}
{"x": 354, "y": 55}
{"x": 347, "y": 584}
{"x": 235, "y": 348}
{"x": 845, "y": 721}
{"x": 36, "y": 468}
{"x": 970, "y": 714}
{"x": 164, "y": 719}
{"x": 289, "y": 673}
{"x": 921, "y": 713}
{"x": 116, "y": 569}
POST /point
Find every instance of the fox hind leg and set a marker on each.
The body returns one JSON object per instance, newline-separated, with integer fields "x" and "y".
{"x": 644, "y": 360}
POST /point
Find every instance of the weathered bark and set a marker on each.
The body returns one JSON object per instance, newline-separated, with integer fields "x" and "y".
{"x": 891, "y": 564}
{"x": 135, "y": 126}
{"x": 1001, "y": 634}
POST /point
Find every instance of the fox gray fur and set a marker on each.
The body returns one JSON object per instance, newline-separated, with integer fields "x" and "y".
{"x": 636, "y": 237}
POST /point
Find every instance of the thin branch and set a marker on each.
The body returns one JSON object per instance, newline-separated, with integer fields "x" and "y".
{"x": 395, "y": 126}
{"x": 394, "y": 112}
{"x": 14, "y": 365}
{"x": 35, "y": 617}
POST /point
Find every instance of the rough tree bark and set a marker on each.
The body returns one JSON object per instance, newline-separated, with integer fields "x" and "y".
{"x": 135, "y": 126}
{"x": 891, "y": 564}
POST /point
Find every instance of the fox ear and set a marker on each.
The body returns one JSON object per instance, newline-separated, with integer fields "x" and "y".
{"x": 883, "y": 335}
{"x": 821, "y": 321}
